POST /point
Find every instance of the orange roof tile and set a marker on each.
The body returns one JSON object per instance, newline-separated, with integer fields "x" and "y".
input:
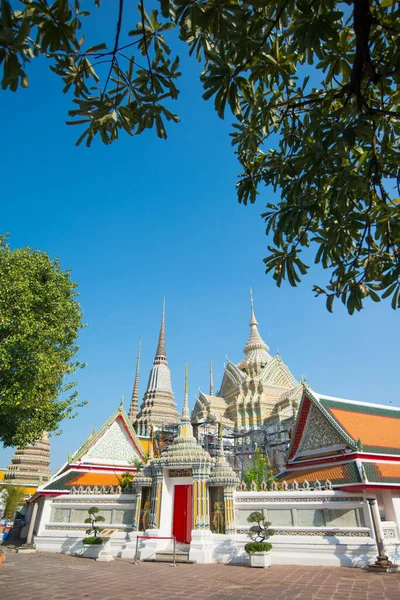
{"x": 382, "y": 472}
{"x": 94, "y": 478}
{"x": 376, "y": 431}
{"x": 336, "y": 474}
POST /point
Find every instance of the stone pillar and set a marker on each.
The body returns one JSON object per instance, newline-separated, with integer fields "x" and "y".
{"x": 156, "y": 494}
{"x": 229, "y": 514}
{"x": 32, "y": 523}
{"x": 382, "y": 563}
{"x": 136, "y": 517}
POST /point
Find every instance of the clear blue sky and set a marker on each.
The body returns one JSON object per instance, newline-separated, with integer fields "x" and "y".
{"x": 143, "y": 219}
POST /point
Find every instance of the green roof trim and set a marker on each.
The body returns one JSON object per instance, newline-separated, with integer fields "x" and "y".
{"x": 360, "y": 408}
{"x": 61, "y": 484}
{"x": 373, "y": 476}
{"x": 351, "y": 475}
{"x": 381, "y": 450}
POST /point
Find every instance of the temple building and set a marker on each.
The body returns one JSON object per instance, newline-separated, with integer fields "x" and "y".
{"x": 251, "y": 390}
{"x": 338, "y": 498}
{"x": 30, "y": 466}
{"x": 257, "y": 404}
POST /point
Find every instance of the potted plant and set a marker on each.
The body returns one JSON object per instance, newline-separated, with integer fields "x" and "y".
{"x": 93, "y": 544}
{"x": 259, "y": 550}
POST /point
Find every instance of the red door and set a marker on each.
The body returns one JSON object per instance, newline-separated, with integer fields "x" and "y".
{"x": 182, "y": 524}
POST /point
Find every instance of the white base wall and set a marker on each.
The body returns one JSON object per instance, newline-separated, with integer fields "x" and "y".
{"x": 121, "y": 545}
{"x": 290, "y": 550}
{"x": 213, "y": 548}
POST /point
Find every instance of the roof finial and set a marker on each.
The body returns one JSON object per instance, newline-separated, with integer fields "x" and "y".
{"x": 121, "y": 404}
{"x": 253, "y": 320}
{"x": 161, "y": 353}
{"x": 185, "y": 410}
{"x": 135, "y": 393}
{"x": 211, "y": 379}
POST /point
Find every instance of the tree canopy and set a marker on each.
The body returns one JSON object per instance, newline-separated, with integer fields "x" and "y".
{"x": 13, "y": 498}
{"x": 40, "y": 318}
{"x": 312, "y": 87}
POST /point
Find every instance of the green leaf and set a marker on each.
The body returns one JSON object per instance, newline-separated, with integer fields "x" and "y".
{"x": 95, "y": 49}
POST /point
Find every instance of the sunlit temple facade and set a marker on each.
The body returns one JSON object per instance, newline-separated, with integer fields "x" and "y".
{"x": 158, "y": 477}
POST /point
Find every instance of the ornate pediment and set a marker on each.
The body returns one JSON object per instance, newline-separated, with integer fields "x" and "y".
{"x": 231, "y": 380}
{"x": 114, "y": 447}
{"x": 319, "y": 433}
{"x": 277, "y": 374}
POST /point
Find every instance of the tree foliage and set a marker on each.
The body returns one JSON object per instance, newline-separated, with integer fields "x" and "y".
{"x": 40, "y": 318}
{"x": 125, "y": 480}
{"x": 93, "y": 519}
{"x": 13, "y": 498}
{"x": 318, "y": 80}
{"x": 259, "y": 472}
{"x": 259, "y": 532}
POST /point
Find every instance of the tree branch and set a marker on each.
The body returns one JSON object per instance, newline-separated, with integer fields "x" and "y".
{"x": 116, "y": 43}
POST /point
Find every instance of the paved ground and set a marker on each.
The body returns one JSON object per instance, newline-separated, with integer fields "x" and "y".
{"x": 58, "y": 577}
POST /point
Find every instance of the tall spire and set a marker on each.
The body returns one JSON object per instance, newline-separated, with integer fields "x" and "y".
{"x": 185, "y": 427}
{"x": 135, "y": 393}
{"x": 158, "y": 406}
{"x": 256, "y": 350}
{"x": 185, "y": 410}
{"x": 161, "y": 353}
{"x": 211, "y": 379}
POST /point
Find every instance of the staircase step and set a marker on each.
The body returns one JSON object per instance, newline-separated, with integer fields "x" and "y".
{"x": 167, "y": 556}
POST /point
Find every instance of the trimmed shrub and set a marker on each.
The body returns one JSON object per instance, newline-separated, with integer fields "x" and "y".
{"x": 257, "y": 547}
{"x": 93, "y": 540}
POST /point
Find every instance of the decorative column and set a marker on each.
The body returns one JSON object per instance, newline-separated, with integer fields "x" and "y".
{"x": 156, "y": 494}
{"x": 136, "y": 517}
{"x": 222, "y": 475}
{"x": 382, "y": 563}
{"x": 201, "y": 518}
{"x": 142, "y": 480}
{"x": 229, "y": 514}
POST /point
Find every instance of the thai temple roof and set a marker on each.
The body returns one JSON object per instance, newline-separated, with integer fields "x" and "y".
{"x": 117, "y": 430}
{"x": 377, "y": 426}
{"x": 350, "y": 443}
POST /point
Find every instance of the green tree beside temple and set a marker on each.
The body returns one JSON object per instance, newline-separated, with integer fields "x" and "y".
{"x": 13, "y": 498}
{"x": 260, "y": 472}
{"x": 40, "y": 318}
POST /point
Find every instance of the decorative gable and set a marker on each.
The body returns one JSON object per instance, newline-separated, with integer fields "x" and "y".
{"x": 277, "y": 374}
{"x": 319, "y": 433}
{"x": 115, "y": 447}
{"x": 281, "y": 379}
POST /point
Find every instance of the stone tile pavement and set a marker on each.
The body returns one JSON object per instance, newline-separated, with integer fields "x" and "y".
{"x": 59, "y": 577}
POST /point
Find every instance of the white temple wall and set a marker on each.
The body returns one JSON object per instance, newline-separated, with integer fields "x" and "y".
{"x": 62, "y": 528}
{"x": 329, "y": 527}
{"x": 311, "y": 528}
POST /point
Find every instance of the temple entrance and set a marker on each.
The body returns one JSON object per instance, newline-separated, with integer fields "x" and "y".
{"x": 182, "y": 523}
